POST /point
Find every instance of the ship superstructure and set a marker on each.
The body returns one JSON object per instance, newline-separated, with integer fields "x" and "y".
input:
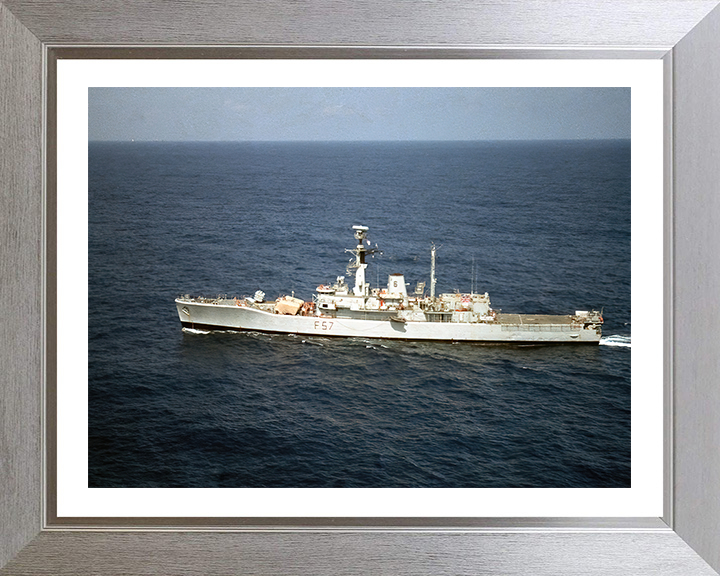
{"x": 339, "y": 309}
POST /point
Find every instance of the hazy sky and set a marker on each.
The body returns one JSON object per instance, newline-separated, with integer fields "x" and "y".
{"x": 173, "y": 114}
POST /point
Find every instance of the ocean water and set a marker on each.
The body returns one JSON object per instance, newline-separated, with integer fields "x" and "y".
{"x": 543, "y": 227}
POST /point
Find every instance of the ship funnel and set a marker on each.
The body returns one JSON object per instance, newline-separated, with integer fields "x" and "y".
{"x": 396, "y": 285}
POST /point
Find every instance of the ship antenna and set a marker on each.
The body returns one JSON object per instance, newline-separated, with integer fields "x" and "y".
{"x": 472, "y": 277}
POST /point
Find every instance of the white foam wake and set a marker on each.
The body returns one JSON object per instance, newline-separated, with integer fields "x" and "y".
{"x": 194, "y": 331}
{"x": 615, "y": 340}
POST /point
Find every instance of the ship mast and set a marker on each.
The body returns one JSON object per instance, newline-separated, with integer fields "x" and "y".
{"x": 360, "y": 251}
{"x": 432, "y": 271}
{"x": 359, "y": 265}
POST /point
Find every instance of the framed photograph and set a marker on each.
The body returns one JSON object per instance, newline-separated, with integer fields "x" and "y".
{"x": 373, "y": 435}
{"x": 436, "y": 515}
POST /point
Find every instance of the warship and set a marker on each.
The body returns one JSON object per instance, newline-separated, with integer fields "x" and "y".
{"x": 391, "y": 312}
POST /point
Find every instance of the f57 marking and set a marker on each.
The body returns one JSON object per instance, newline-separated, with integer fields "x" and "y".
{"x": 323, "y": 325}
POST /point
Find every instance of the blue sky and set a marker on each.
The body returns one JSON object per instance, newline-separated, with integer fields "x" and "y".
{"x": 300, "y": 114}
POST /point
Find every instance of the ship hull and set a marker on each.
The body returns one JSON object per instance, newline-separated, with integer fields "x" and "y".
{"x": 516, "y": 329}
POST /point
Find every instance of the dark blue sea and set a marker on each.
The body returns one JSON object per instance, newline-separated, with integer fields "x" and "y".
{"x": 544, "y": 227}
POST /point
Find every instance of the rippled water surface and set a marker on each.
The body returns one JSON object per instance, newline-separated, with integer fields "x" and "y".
{"x": 544, "y": 227}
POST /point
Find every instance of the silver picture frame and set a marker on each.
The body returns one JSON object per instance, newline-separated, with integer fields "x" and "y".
{"x": 685, "y": 34}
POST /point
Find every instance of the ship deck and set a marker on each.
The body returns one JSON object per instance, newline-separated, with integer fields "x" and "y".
{"x": 520, "y": 319}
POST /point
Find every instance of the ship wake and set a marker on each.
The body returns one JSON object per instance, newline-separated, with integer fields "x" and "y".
{"x": 195, "y": 331}
{"x": 616, "y": 340}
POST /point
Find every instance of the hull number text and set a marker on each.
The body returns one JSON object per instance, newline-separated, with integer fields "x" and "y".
{"x": 323, "y": 325}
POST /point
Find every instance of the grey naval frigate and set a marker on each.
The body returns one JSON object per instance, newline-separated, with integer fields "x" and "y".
{"x": 361, "y": 311}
